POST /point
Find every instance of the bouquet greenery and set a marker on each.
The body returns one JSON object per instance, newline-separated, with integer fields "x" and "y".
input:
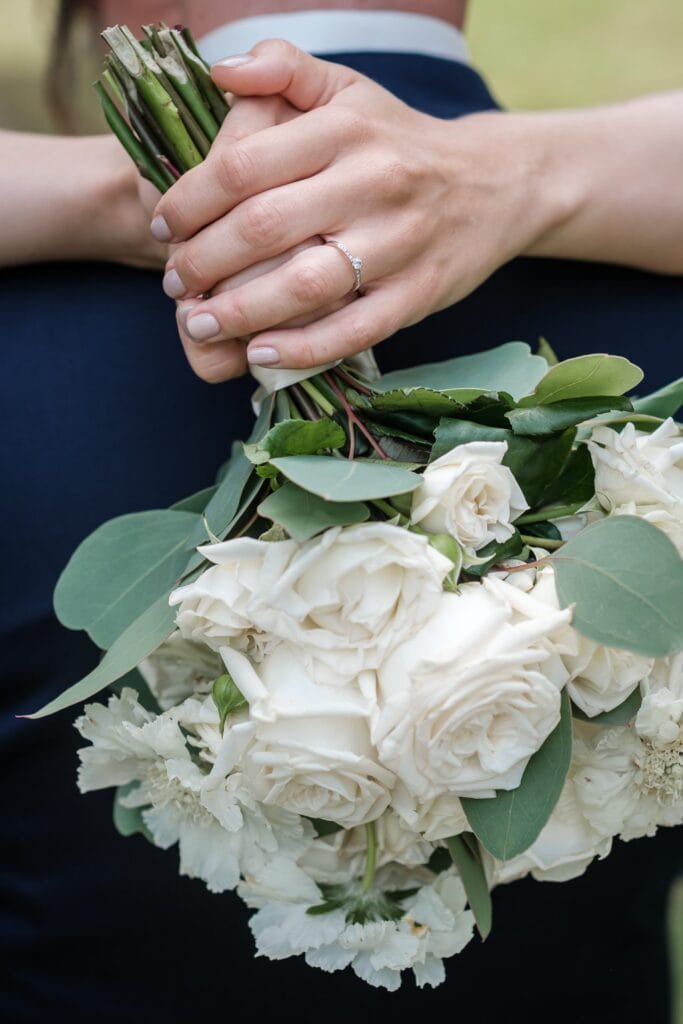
{"x": 422, "y": 636}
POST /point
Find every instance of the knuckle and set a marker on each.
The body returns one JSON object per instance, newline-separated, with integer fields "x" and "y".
{"x": 234, "y": 169}
{"x": 310, "y": 286}
{"x": 306, "y": 356}
{"x": 360, "y": 333}
{"x": 398, "y": 179}
{"x": 189, "y": 265}
{"x": 261, "y": 222}
{"x": 353, "y": 125}
{"x": 237, "y": 318}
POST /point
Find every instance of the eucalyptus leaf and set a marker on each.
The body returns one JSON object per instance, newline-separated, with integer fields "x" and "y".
{"x": 507, "y": 824}
{"x": 134, "y": 645}
{"x": 621, "y": 715}
{"x": 303, "y": 514}
{"x": 128, "y": 820}
{"x": 625, "y": 580}
{"x": 547, "y": 352}
{"x": 557, "y": 416}
{"x": 510, "y": 367}
{"x": 121, "y": 569}
{"x": 342, "y": 480}
{"x": 665, "y": 402}
{"x": 585, "y": 376}
{"x": 467, "y": 859}
{"x": 195, "y": 502}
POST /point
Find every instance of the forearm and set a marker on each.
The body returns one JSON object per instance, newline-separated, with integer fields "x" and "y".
{"x": 70, "y": 199}
{"x": 610, "y": 179}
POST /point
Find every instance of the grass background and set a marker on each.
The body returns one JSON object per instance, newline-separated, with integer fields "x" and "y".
{"x": 535, "y": 54}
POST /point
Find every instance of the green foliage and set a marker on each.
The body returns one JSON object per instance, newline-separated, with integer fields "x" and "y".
{"x": 136, "y": 642}
{"x": 510, "y": 368}
{"x": 227, "y": 697}
{"x": 128, "y": 821}
{"x": 337, "y": 480}
{"x": 625, "y": 580}
{"x": 195, "y": 502}
{"x": 620, "y": 715}
{"x": 495, "y": 553}
{"x": 555, "y": 416}
{"x": 296, "y": 437}
{"x": 303, "y": 514}
{"x": 121, "y": 569}
{"x": 663, "y": 403}
{"x": 466, "y": 856}
{"x": 511, "y": 821}
{"x": 585, "y": 377}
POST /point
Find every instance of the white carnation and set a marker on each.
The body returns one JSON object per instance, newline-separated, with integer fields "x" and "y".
{"x": 470, "y": 495}
{"x": 311, "y": 752}
{"x": 345, "y": 597}
{"x": 466, "y": 701}
{"x": 634, "y": 466}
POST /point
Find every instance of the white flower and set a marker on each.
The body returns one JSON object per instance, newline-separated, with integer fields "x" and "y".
{"x": 565, "y": 847}
{"x": 669, "y": 520}
{"x": 437, "y": 818}
{"x": 215, "y": 820}
{"x": 311, "y": 752}
{"x": 434, "y": 925}
{"x": 180, "y": 668}
{"x": 345, "y": 597}
{"x": 466, "y": 701}
{"x": 629, "y": 779}
{"x": 600, "y": 678}
{"x": 634, "y": 466}
{"x": 470, "y": 495}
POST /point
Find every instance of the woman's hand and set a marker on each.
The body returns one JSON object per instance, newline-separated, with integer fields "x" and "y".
{"x": 432, "y": 208}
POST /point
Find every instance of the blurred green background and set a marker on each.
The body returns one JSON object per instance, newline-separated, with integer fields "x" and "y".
{"x": 534, "y": 53}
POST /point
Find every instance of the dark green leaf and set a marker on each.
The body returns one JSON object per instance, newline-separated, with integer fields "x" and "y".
{"x": 585, "y": 376}
{"x": 576, "y": 481}
{"x": 135, "y": 681}
{"x": 467, "y": 860}
{"x": 496, "y": 553}
{"x": 511, "y": 821}
{"x": 325, "y": 828}
{"x": 557, "y": 416}
{"x": 303, "y": 514}
{"x": 121, "y": 569}
{"x": 625, "y": 580}
{"x": 340, "y": 480}
{"x": 452, "y": 432}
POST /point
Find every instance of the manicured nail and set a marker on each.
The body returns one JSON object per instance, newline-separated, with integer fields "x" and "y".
{"x": 172, "y": 285}
{"x": 234, "y": 62}
{"x": 263, "y": 356}
{"x": 202, "y": 327}
{"x": 160, "y": 229}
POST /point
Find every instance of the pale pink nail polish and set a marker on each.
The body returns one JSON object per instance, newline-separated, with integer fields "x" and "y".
{"x": 160, "y": 229}
{"x": 173, "y": 285}
{"x": 264, "y": 356}
{"x": 234, "y": 62}
{"x": 202, "y": 326}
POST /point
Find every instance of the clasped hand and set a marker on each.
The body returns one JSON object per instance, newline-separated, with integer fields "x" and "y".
{"x": 313, "y": 150}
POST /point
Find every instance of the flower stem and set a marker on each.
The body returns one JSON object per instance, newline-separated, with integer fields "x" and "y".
{"x": 313, "y": 392}
{"x": 370, "y": 856}
{"x": 351, "y": 416}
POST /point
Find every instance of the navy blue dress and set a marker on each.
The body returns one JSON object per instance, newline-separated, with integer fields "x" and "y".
{"x": 102, "y": 416}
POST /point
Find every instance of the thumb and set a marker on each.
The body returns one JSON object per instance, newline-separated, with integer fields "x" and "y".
{"x": 276, "y": 66}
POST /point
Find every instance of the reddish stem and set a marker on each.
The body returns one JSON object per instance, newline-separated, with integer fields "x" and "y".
{"x": 352, "y": 416}
{"x": 522, "y": 567}
{"x": 351, "y": 381}
{"x": 168, "y": 165}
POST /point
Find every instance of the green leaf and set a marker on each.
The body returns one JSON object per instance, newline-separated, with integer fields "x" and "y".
{"x": 128, "y": 820}
{"x": 340, "y": 480}
{"x": 620, "y": 715}
{"x": 303, "y": 514}
{"x": 296, "y": 437}
{"x": 547, "y": 352}
{"x": 135, "y": 681}
{"x": 585, "y": 376}
{"x": 325, "y": 828}
{"x": 452, "y": 432}
{"x": 625, "y": 580}
{"x": 467, "y": 859}
{"x": 195, "y": 502}
{"x": 121, "y": 569}
{"x": 423, "y": 401}
{"x": 135, "y": 644}
{"x": 665, "y": 402}
{"x": 496, "y": 552}
{"x": 227, "y": 697}
{"x": 511, "y": 821}
{"x": 510, "y": 367}
{"x": 556, "y": 416}
{"x": 575, "y": 484}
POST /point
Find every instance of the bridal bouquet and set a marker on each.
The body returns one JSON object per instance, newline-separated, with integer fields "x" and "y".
{"x": 422, "y": 637}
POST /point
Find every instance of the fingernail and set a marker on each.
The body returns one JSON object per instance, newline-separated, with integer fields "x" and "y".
{"x": 160, "y": 229}
{"x": 202, "y": 327}
{"x": 172, "y": 285}
{"x": 234, "y": 62}
{"x": 263, "y": 356}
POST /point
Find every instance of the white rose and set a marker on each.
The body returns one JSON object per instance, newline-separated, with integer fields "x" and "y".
{"x": 565, "y": 847}
{"x": 633, "y": 466}
{"x": 669, "y": 520}
{"x": 466, "y": 701}
{"x": 311, "y": 751}
{"x": 600, "y": 678}
{"x": 180, "y": 668}
{"x": 437, "y": 818}
{"x": 345, "y": 597}
{"x": 470, "y": 495}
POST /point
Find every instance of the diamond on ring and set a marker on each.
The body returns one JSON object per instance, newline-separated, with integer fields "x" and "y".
{"x": 355, "y": 261}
